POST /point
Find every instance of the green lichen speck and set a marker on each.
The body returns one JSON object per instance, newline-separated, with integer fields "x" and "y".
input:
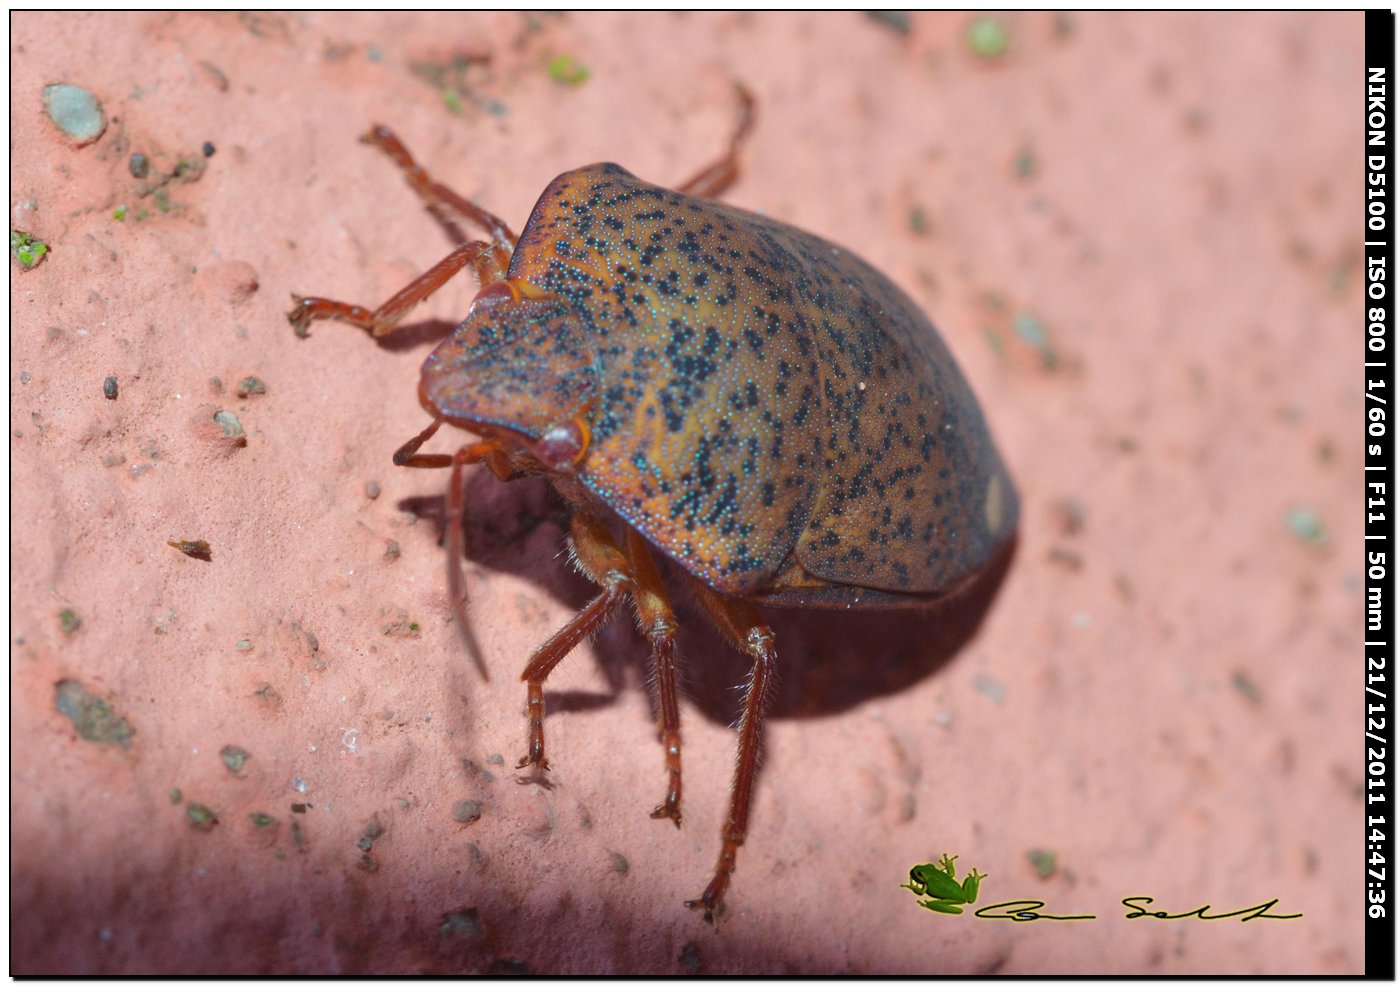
{"x": 987, "y": 37}
{"x": 26, "y": 249}
{"x": 69, "y": 621}
{"x": 568, "y": 70}
{"x": 92, "y": 717}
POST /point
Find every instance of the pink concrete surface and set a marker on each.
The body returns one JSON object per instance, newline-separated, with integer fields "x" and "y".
{"x": 1163, "y": 691}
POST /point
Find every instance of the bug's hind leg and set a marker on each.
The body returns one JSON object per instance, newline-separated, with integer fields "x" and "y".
{"x": 745, "y": 629}
{"x": 602, "y": 561}
{"x": 658, "y": 622}
{"x": 715, "y": 179}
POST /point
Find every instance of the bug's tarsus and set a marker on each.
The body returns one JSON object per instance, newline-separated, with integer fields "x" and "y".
{"x": 307, "y": 310}
{"x": 715, "y": 179}
{"x": 408, "y": 455}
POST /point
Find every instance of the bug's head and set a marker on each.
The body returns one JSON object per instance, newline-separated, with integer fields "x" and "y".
{"x": 516, "y": 369}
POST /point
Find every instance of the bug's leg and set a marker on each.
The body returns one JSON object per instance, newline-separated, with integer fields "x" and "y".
{"x": 602, "y": 561}
{"x": 408, "y": 454}
{"x": 439, "y": 197}
{"x": 713, "y": 180}
{"x": 492, "y": 454}
{"x": 658, "y": 622}
{"x": 741, "y": 624}
{"x": 387, "y": 316}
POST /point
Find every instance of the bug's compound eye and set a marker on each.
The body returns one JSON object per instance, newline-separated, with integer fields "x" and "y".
{"x": 563, "y": 445}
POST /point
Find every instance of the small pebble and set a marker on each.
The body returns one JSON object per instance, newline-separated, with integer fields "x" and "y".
{"x": 1043, "y": 862}
{"x": 109, "y": 388}
{"x": 508, "y": 967}
{"x": 466, "y": 811}
{"x": 93, "y": 718}
{"x": 200, "y": 816}
{"x": 1306, "y": 525}
{"x": 249, "y": 386}
{"x": 229, "y": 424}
{"x": 372, "y": 490}
{"x": 690, "y": 957}
{"x": 990, "y": 687}
{"x": 896, "y": 20}
{"x": 1245, "y": 685}
{"x": 208, "y": 149}
{"x": 139, "y": 165}
{"x": 75, "y": 111}
{"x": 463, "y": 924}
{"x": 234, "y": 758}
{"x": 195, "y": 549}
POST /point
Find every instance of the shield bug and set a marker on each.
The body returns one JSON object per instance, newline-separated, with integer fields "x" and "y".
{"x": 759, "y": 405}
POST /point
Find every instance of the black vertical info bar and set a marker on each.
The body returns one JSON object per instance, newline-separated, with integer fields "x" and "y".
{"x": 1381, "y": 217}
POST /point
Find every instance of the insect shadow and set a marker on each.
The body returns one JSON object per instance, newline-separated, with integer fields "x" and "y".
{"x": 828, "y": 661}
{"x": 420, "y": 335}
